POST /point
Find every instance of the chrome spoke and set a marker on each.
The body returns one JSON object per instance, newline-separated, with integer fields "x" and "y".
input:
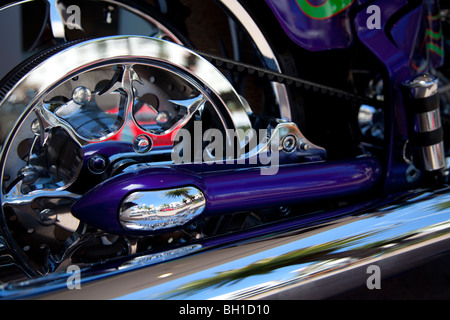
{"x": 191, "y": 105}
{"x": 16, "y": 197}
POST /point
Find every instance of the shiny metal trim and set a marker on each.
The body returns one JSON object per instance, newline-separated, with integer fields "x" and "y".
{"x": 428, "y": 121}
{"x": 16, "y": 197}
{"x": 431, "y": 157}
{"x": 282, "y": 130}
{"x": 262, "y": 145}
{"x": 7, "y": 6}
{"x": 244, "y": 18}
{"x": 153, "y": 258}
{"x": 424, "y": 86}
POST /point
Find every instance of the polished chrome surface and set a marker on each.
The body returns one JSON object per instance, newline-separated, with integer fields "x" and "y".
{"x": 424, "y": 86}
{"x": 161, "y": 209}
{"x": 142, "y": 144}
{"x": 81, "y": 95}
{"x": 153, "y": 258}
{"x": 287, "y": 137}
{"x": 97, "y": 163}
{"x": 431, "y": 157}
{"x": 428, "y": 121}
{"x": 428, "y": 157}
{"x": 371, "y": 122}
{"x": 17, "y": 197}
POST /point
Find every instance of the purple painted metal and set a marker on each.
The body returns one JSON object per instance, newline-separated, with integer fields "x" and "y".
{"x": 106, "y": 149}
{"x": 310, "y": 33}
{"x": 396, "y": 59}
{"x": 405, "y": 31}
{"x": 429, "y": 44}
{"x": 333, "y": 31}
{"x": 378, "y": 40}
{"x": 228, "y": 192}
{"x": 292, "y": 184}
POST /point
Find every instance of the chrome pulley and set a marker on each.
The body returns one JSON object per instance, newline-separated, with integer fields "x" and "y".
{"x": 83, "y": 114}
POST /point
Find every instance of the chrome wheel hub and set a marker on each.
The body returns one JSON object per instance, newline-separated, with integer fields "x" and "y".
{"x": 86, "y": 111}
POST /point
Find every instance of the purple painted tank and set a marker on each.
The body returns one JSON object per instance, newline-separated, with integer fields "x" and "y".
{"x": 316, "y": 24}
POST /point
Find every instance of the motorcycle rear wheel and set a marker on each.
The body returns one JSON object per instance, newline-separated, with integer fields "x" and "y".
{"x": 44, "y": 136}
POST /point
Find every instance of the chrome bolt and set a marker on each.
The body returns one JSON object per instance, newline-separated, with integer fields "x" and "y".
{"x": 36, "y": 127}
{"x": 47, "y": 217}
{"x": 284, "y": 211}
{"x": 29, "y": 174}
{"x": 162, "y": 118}
{"x": 412, "y": 173}
{"x": 142, "y": 144}
{"x": 81, "y": 95}
{"x": 289, "y": 143}
{"x": 97, "y": 163}
{"x": 303, "y": 145}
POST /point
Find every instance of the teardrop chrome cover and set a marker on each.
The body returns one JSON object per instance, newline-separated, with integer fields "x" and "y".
{"x": 161, "y": 209}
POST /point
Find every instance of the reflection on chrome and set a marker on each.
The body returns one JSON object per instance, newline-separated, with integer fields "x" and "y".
{"x": 161, "y": 209}
{"x": 286, "y": 269}
{"x": 153, "y": 258}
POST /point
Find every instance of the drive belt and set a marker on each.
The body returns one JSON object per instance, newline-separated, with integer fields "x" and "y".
{"x": 270, "y": 75}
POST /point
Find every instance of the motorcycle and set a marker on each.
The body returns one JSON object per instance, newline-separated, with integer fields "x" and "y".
{"x": 220, "y": 149}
